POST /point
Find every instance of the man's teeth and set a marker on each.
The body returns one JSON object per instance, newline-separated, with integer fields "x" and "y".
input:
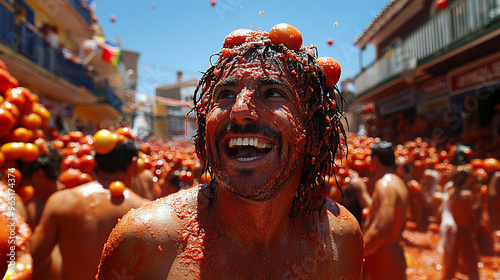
{"x": 249, "y": 142}
{"x": 247, "y": 159}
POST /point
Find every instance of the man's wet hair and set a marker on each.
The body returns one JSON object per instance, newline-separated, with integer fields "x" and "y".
{"x": 49, "y": 163}
{"x": 460, "y": 156}
{"x": 384, "y": 151}
{"x": 119, "y": 159}
{"x": 322, "y": 118}
{"x": 460, "y": 174}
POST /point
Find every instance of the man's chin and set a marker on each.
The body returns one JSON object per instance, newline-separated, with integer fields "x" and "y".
{"x": 252, "y": 187}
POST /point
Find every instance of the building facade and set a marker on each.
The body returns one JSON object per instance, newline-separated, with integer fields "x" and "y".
{"x": 170, "y": 111}
{"x": 437, "y": 69}
{"x": 56, "y": 49}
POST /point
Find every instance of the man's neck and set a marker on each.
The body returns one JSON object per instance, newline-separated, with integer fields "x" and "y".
{"x": 383, "y": 170}
{"x": 253, "y": 224}
{"x": 107, "y": 178}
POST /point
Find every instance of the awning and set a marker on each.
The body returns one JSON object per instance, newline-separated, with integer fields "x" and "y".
{"x": 95, "y": 112}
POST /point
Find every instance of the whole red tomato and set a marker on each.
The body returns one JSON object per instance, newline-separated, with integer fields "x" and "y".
{"x": 332, "y": 69}
{"x": 287, "y": 35}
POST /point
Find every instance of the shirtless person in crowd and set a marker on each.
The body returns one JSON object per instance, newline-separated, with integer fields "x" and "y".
{"x": 384, "y": 256}
{"x": 462, "y": 205}
{"x": 42, "y": 175}
{"x": 80, "y": 219}
{"x": 267, "y": 129}
{"x": 494, "y": 207}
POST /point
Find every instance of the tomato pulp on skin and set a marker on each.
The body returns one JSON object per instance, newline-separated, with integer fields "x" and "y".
{"x": 258, "y": 105}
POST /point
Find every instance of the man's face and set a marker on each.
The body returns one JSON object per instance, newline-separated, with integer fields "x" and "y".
{"x": 255, "y": 133}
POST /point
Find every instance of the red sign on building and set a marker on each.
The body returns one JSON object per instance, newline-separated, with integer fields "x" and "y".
{"x": 476, "y": 75}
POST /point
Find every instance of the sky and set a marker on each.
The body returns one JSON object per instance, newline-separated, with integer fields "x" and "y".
{"x": 181, "y": 35}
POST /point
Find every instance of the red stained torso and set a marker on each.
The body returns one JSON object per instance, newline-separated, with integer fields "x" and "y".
{"x": 191, "y": 245}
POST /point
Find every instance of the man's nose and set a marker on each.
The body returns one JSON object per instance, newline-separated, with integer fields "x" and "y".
{"x": 243, "y": 110}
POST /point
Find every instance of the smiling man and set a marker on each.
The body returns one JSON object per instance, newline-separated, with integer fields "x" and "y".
{"x": 268, "y": 131}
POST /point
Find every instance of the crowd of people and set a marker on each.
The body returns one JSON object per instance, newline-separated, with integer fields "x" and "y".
{"x": 453, "y": 194}
{"x": 253, "y": 196}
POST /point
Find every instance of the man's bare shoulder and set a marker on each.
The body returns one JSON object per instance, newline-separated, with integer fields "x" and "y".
{"x": 341, "y": 221}
{"x": 347, "y": 238}
{"x": 151, "y": 233}
{"x": 65, "y": 199}
{"x": 164, "y": 214}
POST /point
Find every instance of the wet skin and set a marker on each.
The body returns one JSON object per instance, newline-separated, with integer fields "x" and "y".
{"x": 382, "y": 232}
{"x": 79, "y": 220}
{"x": 262, "y": 106}
{"x": 245, "y": 231}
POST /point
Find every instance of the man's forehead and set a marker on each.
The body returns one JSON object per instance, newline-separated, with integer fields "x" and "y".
{"x": 262, "y": 72}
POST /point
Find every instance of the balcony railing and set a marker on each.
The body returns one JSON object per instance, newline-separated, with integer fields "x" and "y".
{"x": 31, "y": 44}
{"x": 461, "y": 19}
{"x": 105, "y": 94}
{"x": 83, "y": 12}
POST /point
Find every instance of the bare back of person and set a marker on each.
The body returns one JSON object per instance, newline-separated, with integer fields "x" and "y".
{"x": 179, "y": 237}
{"x": 385, "y": 223}
{"x": 461, "y": 207}
{"x": 143, "y": 185}
{"x": 83, "y": 218}
{"x": 461, "y": 203}
{"x": 494, "y": 201}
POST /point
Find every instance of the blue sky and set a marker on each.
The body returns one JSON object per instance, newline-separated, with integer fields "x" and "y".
{"x": 180, "y": 35}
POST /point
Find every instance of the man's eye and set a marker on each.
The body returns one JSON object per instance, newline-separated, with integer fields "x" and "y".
{"x": 275, "y": 93}
{"x": 226, "y": 94}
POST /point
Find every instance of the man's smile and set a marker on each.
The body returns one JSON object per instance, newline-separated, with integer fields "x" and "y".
{"x": 249, "y": 148}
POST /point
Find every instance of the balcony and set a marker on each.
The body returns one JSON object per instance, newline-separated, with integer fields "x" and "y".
{"x": 461, "y": 23}
{"x": 84, "y": 13}
{"x": 106, "y": 95}
{"x": 30, "y": 43}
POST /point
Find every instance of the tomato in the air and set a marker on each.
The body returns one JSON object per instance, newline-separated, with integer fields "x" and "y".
{"x": 332, "y": 70}
{"x": 442, "y": 4}
{"x": 287, "y": 35}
